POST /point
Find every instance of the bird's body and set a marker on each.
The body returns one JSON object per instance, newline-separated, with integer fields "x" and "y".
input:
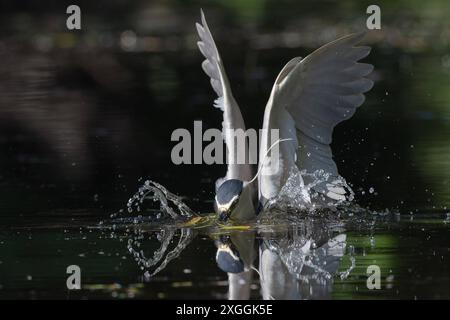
{"x": 309, "y": 98}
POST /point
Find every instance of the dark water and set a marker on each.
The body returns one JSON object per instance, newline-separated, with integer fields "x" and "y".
{"x": 411, "y": 250}
{"x": 85, "y": 119}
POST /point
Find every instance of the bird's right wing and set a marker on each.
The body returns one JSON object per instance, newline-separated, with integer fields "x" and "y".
{"x": 310, "y": 97}
{"x": 232, "y": 117}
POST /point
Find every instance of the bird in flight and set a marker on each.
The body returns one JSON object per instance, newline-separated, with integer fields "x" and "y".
{"x": 309, "y": 98}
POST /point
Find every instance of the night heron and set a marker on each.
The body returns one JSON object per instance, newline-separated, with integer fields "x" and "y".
{"x": 309, "y": 98}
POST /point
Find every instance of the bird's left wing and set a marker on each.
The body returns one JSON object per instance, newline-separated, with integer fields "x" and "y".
{"x": 232, "y": 117}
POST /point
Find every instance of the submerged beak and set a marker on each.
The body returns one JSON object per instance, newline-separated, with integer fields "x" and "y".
{"x": 224, "y": 216}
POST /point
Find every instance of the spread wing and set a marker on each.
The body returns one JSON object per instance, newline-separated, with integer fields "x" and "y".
{"x": 232, "y": 117}
{"x": 309, "y": 98}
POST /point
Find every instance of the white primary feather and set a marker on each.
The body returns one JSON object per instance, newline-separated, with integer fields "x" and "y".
{"x": 232, "y": 117}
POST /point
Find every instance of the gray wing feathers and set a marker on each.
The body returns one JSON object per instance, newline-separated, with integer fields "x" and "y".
{"x": 313, "y": 156}
{"x": 320, "y": 91}
{"x": 232, "y": 117}
{"x": 331, "y": 85}
{"x": 328, "y": 86}
{"x": 211, "y": 65}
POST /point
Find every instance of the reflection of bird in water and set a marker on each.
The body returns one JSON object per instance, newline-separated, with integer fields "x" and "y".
{"x": 235, "y": 255}
{"x": 299, "y": 263}
{"x": 286, "y": 272}
{"x": 298, "y": 257}
{"x": 309, "y": 98}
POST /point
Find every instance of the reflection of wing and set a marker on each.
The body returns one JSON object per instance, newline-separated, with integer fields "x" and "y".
{"x": 277, "y": 281}
{"x": 293, "y": 270}
{"x": 239, "y": 285}
{"x": 329, "y": 255}
{"x": 309, "y": 98}
{"x": 232, "y": 118}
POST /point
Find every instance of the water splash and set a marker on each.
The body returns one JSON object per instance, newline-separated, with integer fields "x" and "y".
{"x": 153, "y": 203}
{"x": 162, "y": 255}
{"x": 169, "y": 203}
{"x": 311, "y": 250}
{"x": 344, "y": 274}
{"x": 304, "y": 191}
{"x": 299, "y": 193}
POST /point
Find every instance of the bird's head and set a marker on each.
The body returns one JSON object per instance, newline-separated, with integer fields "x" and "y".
{"x": 227, "y": 198}
{"x": 228, "y": 258}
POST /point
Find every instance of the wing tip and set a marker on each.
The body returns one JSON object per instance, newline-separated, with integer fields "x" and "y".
{"x": 351, "y": 39}
{"x": 203, "y": 18}
{"x": 369, "y": 84}
{"x": 357, "y": 37}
